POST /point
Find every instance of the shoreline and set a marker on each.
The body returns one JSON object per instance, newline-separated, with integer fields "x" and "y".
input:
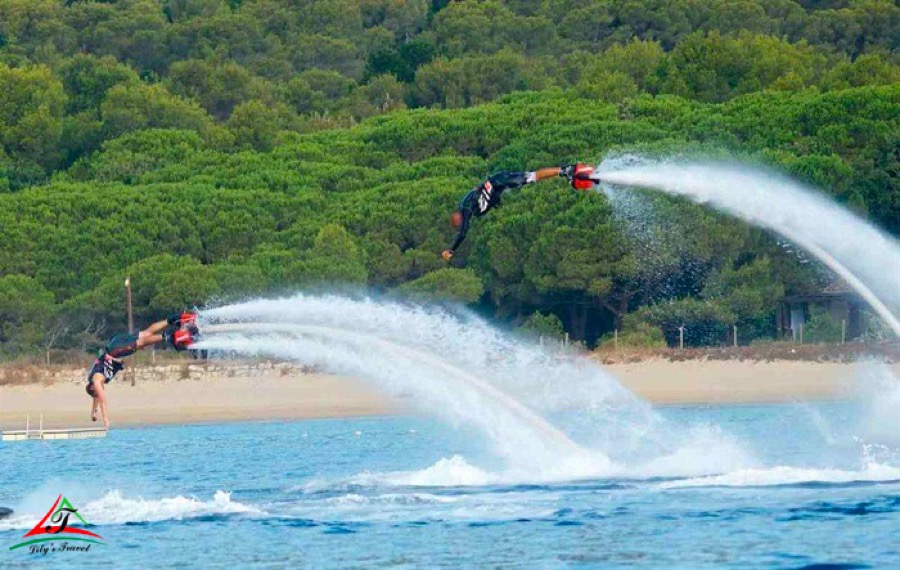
{"x": 191, "y": 393}
{"x": 170, "y": 401}
{"x": 730, "y": 382}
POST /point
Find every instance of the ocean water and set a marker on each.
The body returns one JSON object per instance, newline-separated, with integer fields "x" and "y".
{"x": 815, "y": 485}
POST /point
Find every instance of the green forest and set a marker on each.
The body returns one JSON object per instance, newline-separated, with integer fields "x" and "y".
{"x": 218, "y": 149}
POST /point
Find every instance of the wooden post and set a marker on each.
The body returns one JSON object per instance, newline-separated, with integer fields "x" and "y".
{"x": 843, "y": 331}
{"x": 128, "y": 311}
{"x": 735, "y": 335}
{"x": 801, "y": 334}
{"x": 567, "y": 340}
{"x": 616, "y": 339}
{"x": 681, "y": 337}
{"x": 129, "y": 315}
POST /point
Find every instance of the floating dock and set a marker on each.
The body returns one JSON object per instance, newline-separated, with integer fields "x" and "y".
{"x": 41, "y": 433}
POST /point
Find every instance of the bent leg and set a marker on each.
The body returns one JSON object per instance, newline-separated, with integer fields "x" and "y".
{"x": 152, "y": 334}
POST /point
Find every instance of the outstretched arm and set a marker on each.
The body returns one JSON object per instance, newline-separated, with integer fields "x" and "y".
{"x": 506, "y": 180}
{"x": 463, "y": 230}
{"x": 460, "y": 235}
{"x": 545, "y": 173}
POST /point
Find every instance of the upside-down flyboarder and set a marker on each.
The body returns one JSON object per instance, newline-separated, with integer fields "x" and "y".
{"x": 486, "y": 195}
{"x": 179, "y": 330}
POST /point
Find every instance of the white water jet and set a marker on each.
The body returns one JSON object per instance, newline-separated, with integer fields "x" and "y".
{"x": 867, "y": 259}
{"x": 472, "y": 388}
{"x": 455, "y": 366}
{"x": 530, "y": 402}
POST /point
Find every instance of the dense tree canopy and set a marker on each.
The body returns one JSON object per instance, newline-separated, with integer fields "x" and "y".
{"x": 212, "y": 149}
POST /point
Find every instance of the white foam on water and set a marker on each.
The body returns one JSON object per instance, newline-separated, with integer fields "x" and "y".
{"x": 704, "y": 450}
{"x": 113, "y": 508}
{"x": 785, "y": 475}
{"x": 868, "y": 441}
{"x": 878, "y": 388}
{"x": 452, "y": 471}
{"x": 456, "y": 471}
{"x": 867, "y": 430}
{"x": 405, "y": 507}
{"x": 436, "y": 497}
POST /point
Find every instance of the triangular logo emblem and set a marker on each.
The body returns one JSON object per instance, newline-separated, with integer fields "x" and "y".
{"x": 60, "y": 524}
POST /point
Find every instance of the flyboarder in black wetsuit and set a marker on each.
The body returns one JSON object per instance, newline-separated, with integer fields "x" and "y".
{"x": 486, "y": 195}
{"x": 182, "y": 334}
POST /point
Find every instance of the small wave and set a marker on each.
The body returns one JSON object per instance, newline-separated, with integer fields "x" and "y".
{"x": 456, "y": 471}
{"x": 706, "y": 450}
{"x": 403, "y": 499}
{"x": 113, "y": 508}
{"x": 708, "y": 453}
{"x": 452, "y": 471}
{"x": 774, "y": 476}
{"x": 424, "y": 508}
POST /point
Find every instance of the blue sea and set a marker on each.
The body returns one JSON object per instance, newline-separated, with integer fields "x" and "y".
{"x": 410, "y": 491}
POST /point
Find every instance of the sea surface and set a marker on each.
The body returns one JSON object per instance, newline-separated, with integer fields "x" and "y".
{"x": 821, "y": 487}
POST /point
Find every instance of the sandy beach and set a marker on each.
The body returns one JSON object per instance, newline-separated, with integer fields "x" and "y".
{"x": 185, "y": 401}
{"x": 741, "y": 382}
{"x": 194, "y": 394}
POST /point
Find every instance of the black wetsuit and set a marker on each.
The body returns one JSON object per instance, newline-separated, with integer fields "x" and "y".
{"x": 109, "y": 363}
{"x": 485, "y": 196}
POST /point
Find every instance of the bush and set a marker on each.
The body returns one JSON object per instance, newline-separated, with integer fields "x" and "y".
{"x": 460, "y": 285}
{"x": 540, "y": 324}
{"x": 635, "y": 333}
{"x": 706, "y": 323}
{"x": 821, "y": 327}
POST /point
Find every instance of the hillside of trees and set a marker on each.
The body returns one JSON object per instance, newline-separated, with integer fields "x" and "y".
{"x": 216, "y": 149}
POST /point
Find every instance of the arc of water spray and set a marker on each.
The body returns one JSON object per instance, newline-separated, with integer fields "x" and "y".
{"x": 563, "y": 445}
{"x": 851, "y": 279}
{"x": 665, "y": 178}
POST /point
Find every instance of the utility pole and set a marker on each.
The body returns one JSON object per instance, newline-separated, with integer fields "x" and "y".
{"x": 128, "y": 311}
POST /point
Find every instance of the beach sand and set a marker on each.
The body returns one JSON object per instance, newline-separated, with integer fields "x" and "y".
{"x": 742, "y": 382}
{"x": 268, "y": 397}
{"x": 275, "y": 395}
